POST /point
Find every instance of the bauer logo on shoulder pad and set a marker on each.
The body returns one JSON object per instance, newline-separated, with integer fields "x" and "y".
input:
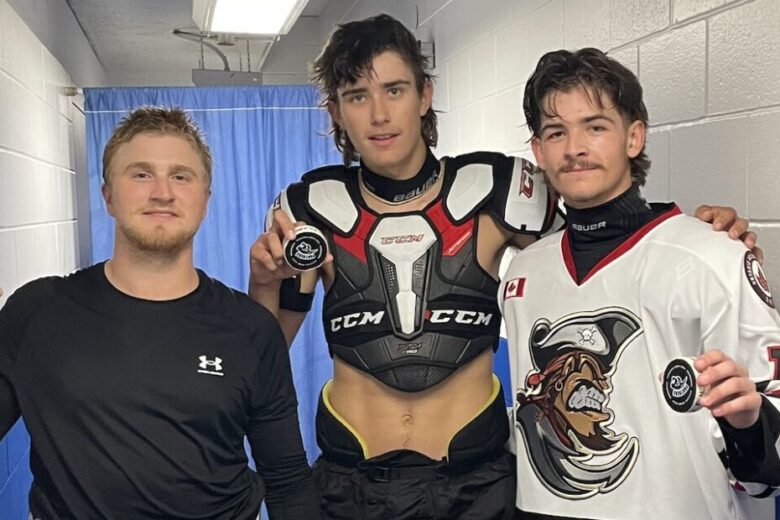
{"x": 758, "y": 281}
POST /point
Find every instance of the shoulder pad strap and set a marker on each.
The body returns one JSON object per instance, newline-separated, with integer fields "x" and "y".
{"x": 522, "y": 201}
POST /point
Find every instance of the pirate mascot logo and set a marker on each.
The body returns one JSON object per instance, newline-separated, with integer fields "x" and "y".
{"x": 563, "y": 412}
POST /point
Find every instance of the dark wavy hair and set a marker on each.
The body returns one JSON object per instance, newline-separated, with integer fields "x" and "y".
{"x": 349, "y": 54}
{"x": 598, "y": 75}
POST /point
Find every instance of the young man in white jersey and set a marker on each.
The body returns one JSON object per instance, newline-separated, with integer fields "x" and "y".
{"x": 595, "y": 312}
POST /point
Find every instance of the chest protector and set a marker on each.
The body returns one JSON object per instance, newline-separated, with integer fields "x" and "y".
{"x": 409, "y": 303}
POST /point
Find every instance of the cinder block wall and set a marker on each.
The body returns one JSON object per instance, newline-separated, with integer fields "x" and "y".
{"x": 710, "y": 69}
{"x": 41, "y": 147}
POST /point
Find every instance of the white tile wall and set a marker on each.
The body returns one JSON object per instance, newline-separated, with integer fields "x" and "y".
{"x": 545, "y": 31}
{"x": 673, "y": 74}
{"x": 687, "y": 8}
{"x": 697, "y": 60}
{"x": 482, "y": 57}
{"x": 513, "y": 65}
{"x": 628, "y": 57}
{"x": 744, "y": 54}
{"x": 37, "y": 181}
{"x": 657, "y": 181}
{"x": 586, "y": 24}
{"x": 763, "y": 169}
{"x": 709, "y": 164}
{"x": 629, "y": 19}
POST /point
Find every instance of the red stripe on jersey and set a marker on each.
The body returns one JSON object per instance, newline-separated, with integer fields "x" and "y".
{"x": 616, "y": 253}
{"x": 355, "y": 244}
{"x": 453, "y": 237}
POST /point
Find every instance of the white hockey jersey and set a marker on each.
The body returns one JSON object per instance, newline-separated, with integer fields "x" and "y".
{"x": 594, "y": 437}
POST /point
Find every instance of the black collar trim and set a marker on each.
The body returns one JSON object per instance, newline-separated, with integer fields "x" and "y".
{"x": 397, "y": 192}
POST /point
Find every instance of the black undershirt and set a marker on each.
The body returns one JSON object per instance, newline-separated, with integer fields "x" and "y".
{"x": 595, "y": 232}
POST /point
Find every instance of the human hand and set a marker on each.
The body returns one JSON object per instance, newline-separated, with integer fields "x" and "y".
{"x": 732, "y": 394}
{"x": 726, "y": 219}
{"x": 266, "y": 256}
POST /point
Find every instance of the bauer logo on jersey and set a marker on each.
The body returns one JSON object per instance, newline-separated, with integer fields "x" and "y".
{"x": 758, "y": 281}
{"x": 514, "y": 288}
{"x": 563, "y": 412}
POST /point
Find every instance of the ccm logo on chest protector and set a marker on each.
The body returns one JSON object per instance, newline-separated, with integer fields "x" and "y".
{"x": 353, "y": 320}
{"x": 402, "y": 239}
{"x": 459, "y": 316}
{"x": 463, "y": 317}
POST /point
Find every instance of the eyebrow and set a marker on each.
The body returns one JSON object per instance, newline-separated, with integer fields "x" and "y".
{"x": 363, "y": 90}
{"x": 583, "y": 121}
{"x": 176, "y": 168}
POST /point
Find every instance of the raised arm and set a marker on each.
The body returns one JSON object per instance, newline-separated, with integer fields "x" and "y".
{"x": 269, "y": 271}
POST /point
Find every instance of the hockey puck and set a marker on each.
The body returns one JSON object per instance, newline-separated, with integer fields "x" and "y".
{"x": 307, "y": 250}
{"x": 679, "y": 385}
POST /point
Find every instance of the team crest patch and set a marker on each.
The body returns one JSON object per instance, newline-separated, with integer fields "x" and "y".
{"x": 563, "y": 412}
{"x": 758, "y": 281}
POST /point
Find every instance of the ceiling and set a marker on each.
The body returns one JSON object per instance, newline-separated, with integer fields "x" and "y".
{"x": 134, "y": 41}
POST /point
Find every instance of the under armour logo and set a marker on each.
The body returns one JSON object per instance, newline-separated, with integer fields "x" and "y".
{"x": 210, "y": 366}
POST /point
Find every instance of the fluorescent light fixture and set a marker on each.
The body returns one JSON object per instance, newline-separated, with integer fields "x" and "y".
{"x": 268, "y": 17}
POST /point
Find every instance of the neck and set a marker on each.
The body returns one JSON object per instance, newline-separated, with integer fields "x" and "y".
{"x": 152, "y": 276}
{"x": 397, "y": 191}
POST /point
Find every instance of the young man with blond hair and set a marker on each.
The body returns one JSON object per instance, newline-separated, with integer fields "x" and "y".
{"x": 139, "y": 377}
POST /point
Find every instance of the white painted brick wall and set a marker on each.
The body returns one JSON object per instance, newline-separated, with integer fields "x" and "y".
{"x": 37, "y": 181}
{"x": 710, "y": 69}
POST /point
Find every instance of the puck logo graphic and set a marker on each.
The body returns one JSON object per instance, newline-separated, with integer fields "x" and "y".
{"x": 679, "y": 385}
{"x": 758, "y": 281}
{"x": 307, "y": 250}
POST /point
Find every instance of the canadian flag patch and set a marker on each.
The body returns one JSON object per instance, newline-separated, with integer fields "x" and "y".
{"x": 514, "y": 288}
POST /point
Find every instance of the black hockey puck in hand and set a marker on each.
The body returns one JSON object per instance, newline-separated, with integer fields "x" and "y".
{"x": 307, "y": 250}
{"x": 679, "y": 385}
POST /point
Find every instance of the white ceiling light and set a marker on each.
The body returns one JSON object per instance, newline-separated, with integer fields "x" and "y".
{"x": 246, "y": 16}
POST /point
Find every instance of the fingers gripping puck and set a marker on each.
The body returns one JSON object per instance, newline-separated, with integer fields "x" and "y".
{"x": 307, "y": 250}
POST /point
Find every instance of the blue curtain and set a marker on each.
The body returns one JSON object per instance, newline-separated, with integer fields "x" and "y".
{"x": 262, "y": 139}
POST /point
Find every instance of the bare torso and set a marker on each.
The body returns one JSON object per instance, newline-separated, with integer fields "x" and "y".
{"x": 426, "y": 421}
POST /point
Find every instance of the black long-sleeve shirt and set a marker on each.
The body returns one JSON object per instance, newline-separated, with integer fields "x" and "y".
{"x": 138, "y": 409}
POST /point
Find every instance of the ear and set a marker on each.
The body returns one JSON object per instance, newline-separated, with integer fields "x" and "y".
{"x": 105, "y": 190}
{"x": 636, "y": 139}
{"x": 333, "y": 110}
{"x": 426, "y": 98}
{"x": 536, "y": 147}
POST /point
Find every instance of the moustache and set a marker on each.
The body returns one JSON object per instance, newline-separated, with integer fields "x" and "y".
{"x": 579, "y": 165}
